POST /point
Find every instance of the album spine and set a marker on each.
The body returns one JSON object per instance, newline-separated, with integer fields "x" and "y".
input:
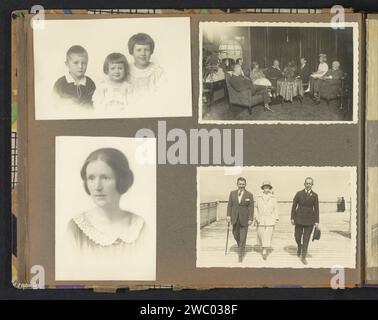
{"x": 371, "y": 153}
{"x": 361, "y": 256}
{"x": 21, "y": 213}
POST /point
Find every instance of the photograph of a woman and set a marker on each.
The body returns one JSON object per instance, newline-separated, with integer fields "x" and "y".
{"x": 266, "y": 217}
{"x": 106, "y": 176}
{"x": 105, "y": 233}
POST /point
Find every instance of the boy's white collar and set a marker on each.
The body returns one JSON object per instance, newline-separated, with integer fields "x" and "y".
{"x": 70, "y": 79}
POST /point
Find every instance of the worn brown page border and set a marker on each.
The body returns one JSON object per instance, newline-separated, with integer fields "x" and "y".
{"x": 277, "y": 145}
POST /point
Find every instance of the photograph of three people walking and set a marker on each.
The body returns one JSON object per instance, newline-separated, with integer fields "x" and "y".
{"x": 283, "y": 217}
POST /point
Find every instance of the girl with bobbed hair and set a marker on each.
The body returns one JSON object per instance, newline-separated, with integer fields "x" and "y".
{"x": 113, "y": 93}
{"x": 106, "y": 176}
{"x": 144, "y": 75}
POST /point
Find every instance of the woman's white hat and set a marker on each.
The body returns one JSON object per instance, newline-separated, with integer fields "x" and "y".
{"x": 266, "y": 183}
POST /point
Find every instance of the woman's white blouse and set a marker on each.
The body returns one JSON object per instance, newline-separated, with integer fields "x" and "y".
{"x": 322, "y": 70}
{"x": 126, "y": 253}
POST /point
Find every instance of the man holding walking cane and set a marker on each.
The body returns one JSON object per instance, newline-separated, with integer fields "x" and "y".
{"x": 240, "y": 214}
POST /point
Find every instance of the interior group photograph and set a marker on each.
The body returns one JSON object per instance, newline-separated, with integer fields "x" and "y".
{"x": 270, "y": 72}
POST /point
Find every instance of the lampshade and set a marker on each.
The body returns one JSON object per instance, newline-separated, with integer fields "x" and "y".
{"x": 230, "y": 49}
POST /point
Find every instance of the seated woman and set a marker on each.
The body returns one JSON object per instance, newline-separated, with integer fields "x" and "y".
{"x": 240, "y": 83}
{"x": 322, "y": 70}
{"x": 258, "y": 77}
{"x": 290, "y": 70}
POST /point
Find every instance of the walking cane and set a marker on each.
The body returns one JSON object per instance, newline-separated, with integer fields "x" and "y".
{"x": 228, "y": 231}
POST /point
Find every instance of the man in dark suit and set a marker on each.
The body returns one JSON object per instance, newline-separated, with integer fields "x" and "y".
{"x": 240, "y": 213}
{"x": 330, "y": 81}
{"x": 304, "y": 215}
{"x": 273, "y": 73}
{"x": 240, "y": 83}
{"x": 304, "y": 71}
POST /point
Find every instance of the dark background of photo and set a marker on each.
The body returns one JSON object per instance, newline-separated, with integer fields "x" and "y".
{"x": 264, "y": 44}
{"x": 6, "y": 289}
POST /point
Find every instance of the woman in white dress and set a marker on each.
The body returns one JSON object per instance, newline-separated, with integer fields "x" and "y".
{"x": 266, "y": 217}
{"x": 317, "y": 75}
{"x": 258, "y": 77}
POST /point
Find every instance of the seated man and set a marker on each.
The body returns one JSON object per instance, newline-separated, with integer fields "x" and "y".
{"x": 240, "y": 83}
{"x": 274, "y": 73}
{"x": 329, "y": 82}
{"x": 304, "y": 72}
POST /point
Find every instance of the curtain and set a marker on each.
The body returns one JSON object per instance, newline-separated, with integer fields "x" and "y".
{"x": 292, "y": 43}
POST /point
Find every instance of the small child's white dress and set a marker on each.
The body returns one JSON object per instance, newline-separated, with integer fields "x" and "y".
{"x": 111, "y": 96}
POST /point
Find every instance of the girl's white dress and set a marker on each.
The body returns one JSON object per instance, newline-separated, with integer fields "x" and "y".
{"x": 145, "y": 81}
{"x": 112, "y": 96}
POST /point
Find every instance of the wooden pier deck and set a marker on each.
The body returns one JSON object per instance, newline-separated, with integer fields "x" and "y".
{"x": 335, "y": 248}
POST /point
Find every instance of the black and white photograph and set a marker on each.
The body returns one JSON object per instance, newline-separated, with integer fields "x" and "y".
{"x": 276, "y": 217}
{"x": 105, "y": 209}
{"x": 112, "y": 68}
{"x": 278, "y": 72}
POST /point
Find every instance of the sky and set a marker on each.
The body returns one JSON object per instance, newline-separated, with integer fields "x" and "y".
{"x": 329, "y": 183}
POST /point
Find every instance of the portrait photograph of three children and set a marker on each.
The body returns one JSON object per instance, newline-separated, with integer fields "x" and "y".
{"x": 123, "y": 68}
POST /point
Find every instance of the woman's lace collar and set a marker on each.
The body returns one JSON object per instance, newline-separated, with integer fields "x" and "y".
{"x": 129, "y": 234}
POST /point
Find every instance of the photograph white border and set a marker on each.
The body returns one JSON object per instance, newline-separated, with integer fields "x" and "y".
{"x": 356, "y": 69}
{"x": 173, "y": 99}
{"x": 236, "y": 172}
{"x": 143, "y": 156}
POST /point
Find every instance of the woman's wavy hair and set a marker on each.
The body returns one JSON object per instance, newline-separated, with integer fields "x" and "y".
{"x": 116, "y": 160}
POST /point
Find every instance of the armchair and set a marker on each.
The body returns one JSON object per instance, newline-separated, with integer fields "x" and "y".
{"x": 332, "y": 89}
{"x": 242, "y": 98}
